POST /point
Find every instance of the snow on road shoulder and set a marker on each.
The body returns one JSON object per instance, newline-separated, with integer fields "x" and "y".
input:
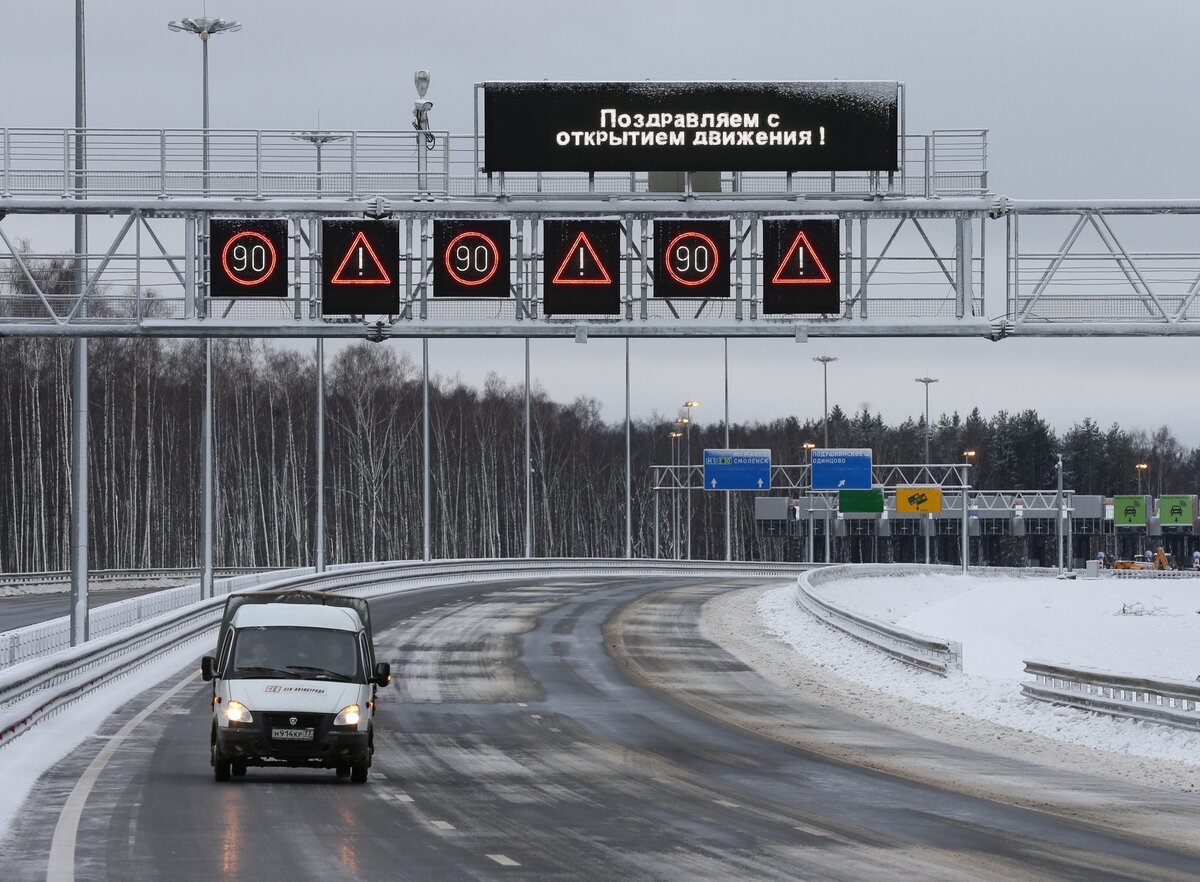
{"x": 1001, "y": 624}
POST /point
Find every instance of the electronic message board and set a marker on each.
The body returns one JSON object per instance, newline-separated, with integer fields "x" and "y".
{"x": 581, "y": 267}
{"x": 800, "y": 266}
{"x": 360, "y": 267}
{"x": 691, "y": 258}
{"x": 470, "y": 258}
{"x": 248, "y": 257}
{"x": 737, "y": 126}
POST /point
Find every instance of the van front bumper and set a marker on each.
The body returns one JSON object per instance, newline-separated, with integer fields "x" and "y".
{"x": 255, "y": 745}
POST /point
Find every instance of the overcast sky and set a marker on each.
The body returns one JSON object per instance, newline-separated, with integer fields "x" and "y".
{"x": 1082, "y": 100}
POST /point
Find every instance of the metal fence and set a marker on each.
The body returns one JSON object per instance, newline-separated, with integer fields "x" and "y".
{"x": 354, "y": 164}
{"x": 1165, "y": 702}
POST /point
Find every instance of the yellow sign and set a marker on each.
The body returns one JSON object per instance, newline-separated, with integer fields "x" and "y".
{"x": 918, "y": 499}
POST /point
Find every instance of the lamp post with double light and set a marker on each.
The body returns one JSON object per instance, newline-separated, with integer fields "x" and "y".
{"x": 1141, "y": 467}
{"x": 675, "y": 436}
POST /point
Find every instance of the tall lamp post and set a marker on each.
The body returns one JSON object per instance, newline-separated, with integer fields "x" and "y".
{"x": 968, "y": 459}
{"x": 928, "y": 431}
{"x": 1141, "y": 467}
{"x": 675, "y": 436}
{"x": 688, "y": 405}
{"x": 809, "y": 446}
{"x": 824, "y": 360}
{"x": 204, "y": 27}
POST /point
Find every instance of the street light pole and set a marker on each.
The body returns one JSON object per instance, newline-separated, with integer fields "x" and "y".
{"x": 1141, "y": 467}
{"x": 318, "y": 139}
{"x": 204, "y": 27}
{"x": 78, "y": 529}
{"x": 689, "y": 405}
{"x": 808, "y": 448}
{"x": 968, "y": 455}
{"x": 1060, "y": 514}
{"x": 928, "y": 432}
{"x": 824, "y": 360}
{"x": 675, "y": 436}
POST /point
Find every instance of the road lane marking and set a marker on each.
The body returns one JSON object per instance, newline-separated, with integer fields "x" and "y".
{"x": 504, "y": 860}
{"x": 726, "y": 803}
{"x": 443, "y": 825}
{"x": 61, "y": 866}
{"x": 403, "y": 797}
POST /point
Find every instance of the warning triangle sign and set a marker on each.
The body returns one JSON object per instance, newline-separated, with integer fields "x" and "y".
{"x": 361, "y": 266}
{"x": 801, "y": 265}
{"x": 582, "y": 265}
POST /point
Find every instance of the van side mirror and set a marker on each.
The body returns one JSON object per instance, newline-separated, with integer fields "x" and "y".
{"x": 383, "y": 673}
{"x": 207, "y": 665}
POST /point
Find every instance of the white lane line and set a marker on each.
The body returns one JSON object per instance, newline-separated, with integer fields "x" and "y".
{"x": 61, "y": 866}
{"x": 504, "y": 860}
{"x": 536, "y": 716}
{"x": 443, "y": 825}
{"x": 726, "y": 803}
{"x": 380, "y": 776}
{"x": 403, "y": 797}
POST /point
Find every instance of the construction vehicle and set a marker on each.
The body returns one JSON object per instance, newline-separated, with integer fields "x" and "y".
{"x": 1160, "y": 560}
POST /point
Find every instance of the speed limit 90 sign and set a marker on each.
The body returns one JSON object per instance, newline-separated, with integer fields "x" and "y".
{"x": 471, "y": 258}
{"x": 248, "y": 257}
{"x": 691, "y": 258}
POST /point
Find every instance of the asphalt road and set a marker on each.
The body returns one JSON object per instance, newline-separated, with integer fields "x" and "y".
{"x": 27, "y": 609}
{"x": 521, "y": 739}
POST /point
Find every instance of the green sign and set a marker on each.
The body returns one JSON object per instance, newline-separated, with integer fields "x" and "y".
{"x": 1175, "y": 511}
{"x": 861, "y": 501}
{"x": 1129, "y": 511}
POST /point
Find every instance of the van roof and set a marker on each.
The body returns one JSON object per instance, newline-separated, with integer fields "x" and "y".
{"x": 296, "y": 615}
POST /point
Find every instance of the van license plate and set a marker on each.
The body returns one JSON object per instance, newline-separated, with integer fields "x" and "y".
{"x": 292, "y": 734}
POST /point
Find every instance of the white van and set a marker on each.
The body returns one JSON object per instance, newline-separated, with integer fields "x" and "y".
{"x": 294, "y": 682}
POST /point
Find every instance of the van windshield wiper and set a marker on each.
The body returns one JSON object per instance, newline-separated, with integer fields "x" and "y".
{"x": 323, "y": 673}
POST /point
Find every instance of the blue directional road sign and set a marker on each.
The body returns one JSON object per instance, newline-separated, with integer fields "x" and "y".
{"x": 737, "y": 470}
{"x": 837, "y": 468}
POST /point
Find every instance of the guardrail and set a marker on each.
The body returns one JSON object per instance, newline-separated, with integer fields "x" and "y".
{"x": 38, "y": 688}
{"x": 1166, "y": 702}
{"x": 56, "y": 577}
{"x": 931, "y": 654}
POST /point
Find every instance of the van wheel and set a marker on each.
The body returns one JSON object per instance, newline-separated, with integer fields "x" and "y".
{"x": 221, "y": 766}
{"x": 343, "y": 771}
{"x": 358, "y": 773}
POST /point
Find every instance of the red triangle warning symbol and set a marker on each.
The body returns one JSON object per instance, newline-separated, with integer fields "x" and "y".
{"x": 361, "y": 266}
{"x": 582, "y": 265}
{"x": 801, "y": 265}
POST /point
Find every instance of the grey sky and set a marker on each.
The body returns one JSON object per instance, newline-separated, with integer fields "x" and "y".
{"x": 1082, "y": 99}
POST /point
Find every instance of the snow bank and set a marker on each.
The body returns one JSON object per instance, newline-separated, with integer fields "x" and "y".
{"x": 1002, "y": 621}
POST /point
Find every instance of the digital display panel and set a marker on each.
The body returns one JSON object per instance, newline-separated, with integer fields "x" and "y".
{"x": 360, "y": 267}
{"x": 581, "y": 267}
{"x": 691, "y": 258}
{"x": 248, "y": 257}
{"x": 800, "y": 266}
{"x": 471, "y": 258}
{"x": 736, "y": 126}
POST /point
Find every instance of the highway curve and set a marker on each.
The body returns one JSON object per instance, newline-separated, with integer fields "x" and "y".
{"x": 548, "y": 730}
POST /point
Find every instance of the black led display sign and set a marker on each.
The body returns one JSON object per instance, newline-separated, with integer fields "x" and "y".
{"x": 587, "y": 127}
{"x": 800, "y": 266}
{"x": 360, "y": 267}
{"x": 691, "y": 258}
{"x": 581, "y": 267}
{"x": 470, "y": 258}
{"x": 248, "y": 257}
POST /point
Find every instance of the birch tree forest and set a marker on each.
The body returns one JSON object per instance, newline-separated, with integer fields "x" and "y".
{"x": 145, "y": 405}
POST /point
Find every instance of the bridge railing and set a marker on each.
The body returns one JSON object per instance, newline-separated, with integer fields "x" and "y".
{"x": 352, "y": 164}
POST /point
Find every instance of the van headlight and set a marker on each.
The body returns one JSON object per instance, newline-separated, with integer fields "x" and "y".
{"x": 348, "y": 716}
{"x": 236, "y": 712}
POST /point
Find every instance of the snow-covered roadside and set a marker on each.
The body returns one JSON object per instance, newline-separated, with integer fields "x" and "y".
{"x": 994, "y": 695}
{"x": 23, "y": 590}
{"x": 24, "y": 760}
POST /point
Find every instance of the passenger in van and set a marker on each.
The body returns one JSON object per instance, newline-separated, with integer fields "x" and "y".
{"x": 336, "y": 658}
{"x": 255, "y": 655}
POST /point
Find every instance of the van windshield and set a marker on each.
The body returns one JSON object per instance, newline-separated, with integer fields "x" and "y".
{"x": 296, "y": 653}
